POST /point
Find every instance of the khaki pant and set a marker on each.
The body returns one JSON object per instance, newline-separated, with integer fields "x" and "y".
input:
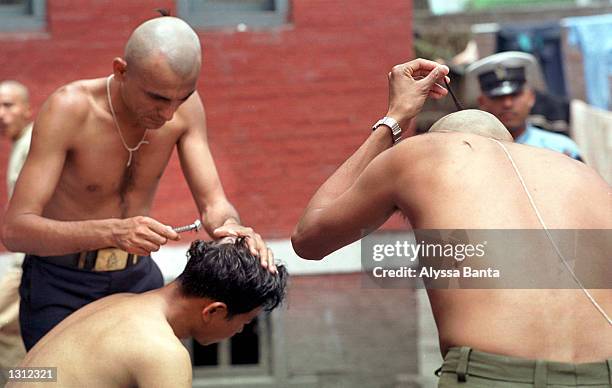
{"x": 467, "y": 368}
{"x": 12, "y": 350}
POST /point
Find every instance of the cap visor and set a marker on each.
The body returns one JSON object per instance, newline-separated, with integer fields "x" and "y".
{"x": 505, "y": 89}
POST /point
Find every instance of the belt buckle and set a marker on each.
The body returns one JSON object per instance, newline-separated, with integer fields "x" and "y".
{"x": 111, "y": 259}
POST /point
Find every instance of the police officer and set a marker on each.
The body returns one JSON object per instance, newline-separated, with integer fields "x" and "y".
{"x": 507, "y": 94}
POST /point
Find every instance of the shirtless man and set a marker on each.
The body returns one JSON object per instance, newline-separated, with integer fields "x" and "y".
{"x": 129, "y": 340}
{"x": 455, "y": 179}
{"x": 99, "y": 148}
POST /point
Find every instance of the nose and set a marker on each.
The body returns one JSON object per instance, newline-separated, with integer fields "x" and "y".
{"x": 508, "y": 101}
{"x": 167, "y": 112}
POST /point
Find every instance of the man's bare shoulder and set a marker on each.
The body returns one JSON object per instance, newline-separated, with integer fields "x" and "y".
{"x": 547, "y": 163}
{"x": 68, "y": 107}
{"x": 156, "y": 341}
{"x": 137, "y": 334}
{"x": 433, "y": 150}
{"x": 190, "y": 114}
{"x": 75, "y": 97}
{"x": 157, "y": 356}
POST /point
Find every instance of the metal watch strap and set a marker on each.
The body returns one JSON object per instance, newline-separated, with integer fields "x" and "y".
{"x": 396, "y": 131}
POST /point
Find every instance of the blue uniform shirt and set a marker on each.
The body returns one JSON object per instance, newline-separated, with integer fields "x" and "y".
{"x": 540, "y": 138}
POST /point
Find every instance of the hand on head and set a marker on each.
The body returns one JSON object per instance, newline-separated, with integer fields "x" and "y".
{"x": 254, "y": 241}
{"x": 410, "y": 84}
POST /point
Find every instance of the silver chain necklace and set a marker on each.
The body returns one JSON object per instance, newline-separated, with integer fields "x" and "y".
{"x": 128, "y": 149}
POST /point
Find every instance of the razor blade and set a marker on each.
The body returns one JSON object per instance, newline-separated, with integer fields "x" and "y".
{"x": 196, "y": 226}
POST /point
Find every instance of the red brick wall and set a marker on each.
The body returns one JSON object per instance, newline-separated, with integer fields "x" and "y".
{"x": 285, "y": 106}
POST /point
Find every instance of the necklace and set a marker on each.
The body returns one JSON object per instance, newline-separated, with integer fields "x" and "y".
{"x": 128, "y": 149}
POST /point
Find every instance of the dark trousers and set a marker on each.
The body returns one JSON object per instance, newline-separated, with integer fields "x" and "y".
{"x": 49, "y": 292}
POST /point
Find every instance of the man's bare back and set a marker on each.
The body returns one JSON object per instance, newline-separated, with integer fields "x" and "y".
{"x": 472, "y": 185}
{"x": 129, "y": 336}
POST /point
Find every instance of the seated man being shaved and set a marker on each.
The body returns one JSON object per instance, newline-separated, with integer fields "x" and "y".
{"x": 466, "y": 173}
{"x": 128, "y": 340}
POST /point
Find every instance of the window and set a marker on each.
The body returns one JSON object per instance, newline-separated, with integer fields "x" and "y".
{"x": 220, "y": 13}
{"x": 440, "y": 7}
{"x": 22, "y": 15}
{"x": 246, "y": 356}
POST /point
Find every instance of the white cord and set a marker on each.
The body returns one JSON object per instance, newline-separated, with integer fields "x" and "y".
{"x": 110, "y": 104}
{"x": 586, "y": 292}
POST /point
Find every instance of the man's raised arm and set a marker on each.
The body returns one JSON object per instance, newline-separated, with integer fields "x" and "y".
{"x": 219, "y": 217}
{"x": 359, "y": 196}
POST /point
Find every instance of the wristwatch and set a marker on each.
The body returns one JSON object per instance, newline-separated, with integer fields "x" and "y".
{"x": 396, "y": 131}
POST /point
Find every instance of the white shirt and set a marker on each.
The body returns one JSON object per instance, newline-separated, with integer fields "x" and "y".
{"x": 19, "y": 153}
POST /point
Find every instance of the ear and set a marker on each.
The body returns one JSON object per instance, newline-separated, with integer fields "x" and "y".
{"x": 214, "y": 310}
{"x": 119, "y": 68}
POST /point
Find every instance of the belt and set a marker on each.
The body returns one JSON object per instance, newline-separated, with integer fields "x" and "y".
{"x": 102, "y": 260}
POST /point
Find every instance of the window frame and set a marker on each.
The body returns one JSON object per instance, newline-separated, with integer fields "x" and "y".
{"x": 243, "y": 375}
{"x": 29, "y": 16}
{"x": 231, "y": 18}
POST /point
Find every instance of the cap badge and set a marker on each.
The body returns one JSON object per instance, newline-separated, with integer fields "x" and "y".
{"x": 500, "y": 73}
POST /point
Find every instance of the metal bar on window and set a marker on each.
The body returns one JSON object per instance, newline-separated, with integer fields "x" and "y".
{"x": 224, "y": 353}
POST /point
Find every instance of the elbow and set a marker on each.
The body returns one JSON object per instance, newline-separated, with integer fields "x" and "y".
{"x": 305, "y": 247}
{"x": 9, "y": 236}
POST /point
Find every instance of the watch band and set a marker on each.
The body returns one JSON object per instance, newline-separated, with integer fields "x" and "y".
{"x": 396, "y": 131}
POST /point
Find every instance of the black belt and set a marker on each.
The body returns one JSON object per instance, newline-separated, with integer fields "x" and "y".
{"x": 102, "y": 260}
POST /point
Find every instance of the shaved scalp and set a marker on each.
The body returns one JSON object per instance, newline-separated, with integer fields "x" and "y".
{"x": 18, "y": 87}
{"x": 169, "y": 38}
{"x": 473, "y": 121}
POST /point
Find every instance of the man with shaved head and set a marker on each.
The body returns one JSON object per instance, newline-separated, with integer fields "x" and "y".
{"x": 99, "y": 147}
{"x": 473, "y": 121}
{"x": 467, "y": 176}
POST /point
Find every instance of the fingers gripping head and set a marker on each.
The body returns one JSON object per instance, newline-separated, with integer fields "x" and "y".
{"x": 473, "y": 121}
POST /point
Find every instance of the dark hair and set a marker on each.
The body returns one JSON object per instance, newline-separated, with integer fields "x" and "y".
{"x": 231, "y": 274}
{"x": 163, "y": 11}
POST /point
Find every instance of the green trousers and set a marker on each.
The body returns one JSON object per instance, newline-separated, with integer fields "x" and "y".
{"x": 468, "y": 368}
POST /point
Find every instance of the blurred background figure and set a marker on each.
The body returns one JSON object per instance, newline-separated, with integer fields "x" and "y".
{"x": 507, "y": 93}
{"x": 571, "y": 79}
{"x": 16, "y": 126}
